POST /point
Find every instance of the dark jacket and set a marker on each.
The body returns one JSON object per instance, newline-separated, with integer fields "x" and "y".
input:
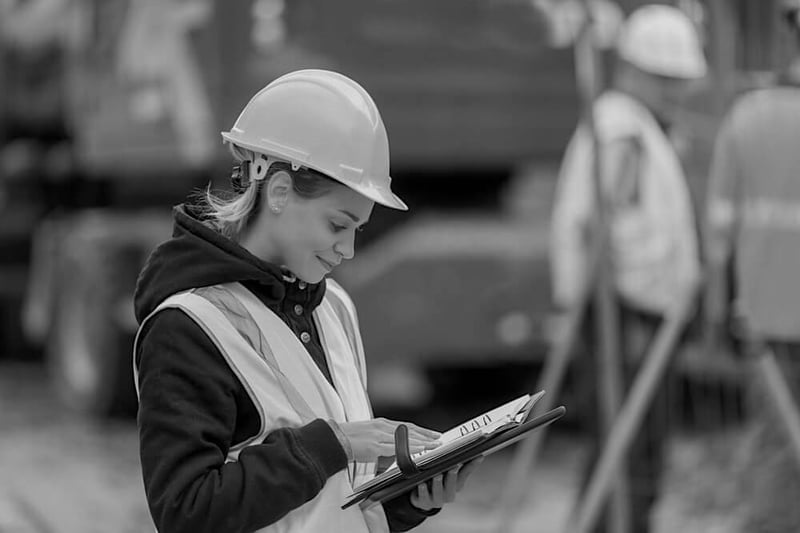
{"x": 192, "y": 407}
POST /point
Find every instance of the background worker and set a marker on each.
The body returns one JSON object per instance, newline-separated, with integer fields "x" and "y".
{"x": 253, "y": 407}
{"x": 753, "y": 212}
{"x": 653, "y": 238}
{"x": 753, "y": 247}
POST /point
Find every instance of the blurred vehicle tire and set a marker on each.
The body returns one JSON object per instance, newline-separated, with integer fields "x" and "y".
{"x": 88, "y": 351}
{"x": 91, "y": 333}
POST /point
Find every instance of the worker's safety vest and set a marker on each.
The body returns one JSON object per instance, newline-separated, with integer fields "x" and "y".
{"x": 289, "y": 390}
{"x": 653, "y": 239}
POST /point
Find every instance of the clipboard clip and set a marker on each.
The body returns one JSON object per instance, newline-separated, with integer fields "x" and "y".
{"x": 403, "y": 453}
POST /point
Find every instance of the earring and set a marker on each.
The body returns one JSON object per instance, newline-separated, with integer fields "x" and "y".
{"x": 274, "y": 208}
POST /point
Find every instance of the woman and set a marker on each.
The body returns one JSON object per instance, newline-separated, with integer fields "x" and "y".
{"x": 253, "y": 412}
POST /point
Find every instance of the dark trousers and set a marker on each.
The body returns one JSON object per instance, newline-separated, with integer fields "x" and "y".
{"x": 645, "y": 459}
{"x": 770, "y": 471}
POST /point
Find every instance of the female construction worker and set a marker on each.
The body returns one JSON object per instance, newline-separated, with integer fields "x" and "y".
{"x": 253, "y": 411}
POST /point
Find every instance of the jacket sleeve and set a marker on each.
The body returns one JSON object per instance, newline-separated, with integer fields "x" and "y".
{"x": 572, "y": 209}
{"x": 187, "y": 419}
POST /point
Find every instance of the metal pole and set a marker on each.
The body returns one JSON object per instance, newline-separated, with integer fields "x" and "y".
{"x": 598, "y": 281}
{"x": 551, "y": 379}
{"x": 781, "y": 395}
{"x": 610, "y": 384}
{"x": 722, "y": 50}
{"x": 624, "y": 429}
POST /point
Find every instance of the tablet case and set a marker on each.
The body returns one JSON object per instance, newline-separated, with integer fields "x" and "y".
{"x": 411, "y": 474}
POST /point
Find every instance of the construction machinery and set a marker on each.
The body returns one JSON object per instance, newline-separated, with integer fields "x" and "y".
{"x": 477, "y": 110}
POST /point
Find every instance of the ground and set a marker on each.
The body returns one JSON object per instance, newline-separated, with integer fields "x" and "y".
{"x": 64, "y": 474}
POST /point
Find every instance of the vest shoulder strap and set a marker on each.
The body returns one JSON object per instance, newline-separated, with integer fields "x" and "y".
{"x": 344, "y": 308}
{"x": 202, "y": 305}
{"x": 243, "y": 322}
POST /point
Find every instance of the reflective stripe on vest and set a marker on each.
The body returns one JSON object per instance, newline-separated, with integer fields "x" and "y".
{"x": 287, "y": 387}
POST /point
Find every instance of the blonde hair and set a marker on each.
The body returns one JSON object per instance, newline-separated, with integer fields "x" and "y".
{"x": 230, "y": 212}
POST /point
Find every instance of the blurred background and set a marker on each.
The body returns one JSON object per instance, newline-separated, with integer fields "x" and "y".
{"x": 110, "y": 113}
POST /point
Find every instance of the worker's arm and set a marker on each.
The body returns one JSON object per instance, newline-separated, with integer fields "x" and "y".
{"x": 622, "y": 159}
{"x": 572, "y": 206}
{"x": 188, "y": 406}
{"x": 574, "y": 210}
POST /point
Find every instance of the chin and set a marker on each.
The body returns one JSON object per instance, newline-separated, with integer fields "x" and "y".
{"x": 311, "y": 278}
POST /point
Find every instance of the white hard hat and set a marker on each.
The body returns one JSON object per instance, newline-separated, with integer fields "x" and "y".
{"x": 324, "y": 121}
{"x": 662, "y": 40}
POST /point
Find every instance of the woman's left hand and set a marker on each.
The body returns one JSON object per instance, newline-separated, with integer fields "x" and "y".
{"x": 442, "y": 489}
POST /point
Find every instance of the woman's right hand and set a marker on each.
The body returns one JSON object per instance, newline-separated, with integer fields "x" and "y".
{"x": 370, "y": 439}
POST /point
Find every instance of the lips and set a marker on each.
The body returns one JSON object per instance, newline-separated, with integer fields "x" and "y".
{"x": 327, "y": 264}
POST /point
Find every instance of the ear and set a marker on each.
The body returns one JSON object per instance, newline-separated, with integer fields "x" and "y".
{"x": 279, "y": 188}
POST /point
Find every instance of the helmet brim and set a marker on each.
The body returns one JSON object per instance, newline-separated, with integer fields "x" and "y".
{"x": 381, "y": 196}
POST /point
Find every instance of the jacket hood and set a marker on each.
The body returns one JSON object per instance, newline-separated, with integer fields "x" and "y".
{"x": 197, "y": 256}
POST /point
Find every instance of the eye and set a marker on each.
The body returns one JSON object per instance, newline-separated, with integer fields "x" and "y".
{"x": 337, "y": 227}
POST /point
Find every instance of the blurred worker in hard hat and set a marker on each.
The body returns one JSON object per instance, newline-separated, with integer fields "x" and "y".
{"x": 753, "y": 257}
{"x": 653, "y": 237}
{"x": 253, "y": 410}
{"x": 753, "y": 214}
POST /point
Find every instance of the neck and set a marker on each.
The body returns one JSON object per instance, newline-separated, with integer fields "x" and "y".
{"x": 260, "y": 245}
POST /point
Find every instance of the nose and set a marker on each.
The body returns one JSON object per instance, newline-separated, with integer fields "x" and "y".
{"x": 346, "y": 247}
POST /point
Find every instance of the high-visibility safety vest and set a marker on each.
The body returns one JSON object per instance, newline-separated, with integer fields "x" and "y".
{"x": 754, "y": 205}
{"x": 287, "y": 387}
{"x": 654, "y": 244}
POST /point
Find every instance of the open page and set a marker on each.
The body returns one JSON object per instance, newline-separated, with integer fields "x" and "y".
{"x": 511, "y": 413}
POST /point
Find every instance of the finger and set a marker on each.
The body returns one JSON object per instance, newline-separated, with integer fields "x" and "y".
{"x": 421, "y": 432}
{"x": 421, "y": 498}
{"x": 417, "y": 446}
{"x": 384, "y": 424}
{"x": 421, "y": 447}
{"x": 384, "y": 450}
{"x": 466, "y": 470}
{"x": 384, "y": 441}
{"x": 416, "y": 435}
{"x": 416, "y": 439}
{"x": 451, "y": 485}
{"x": 437, "y": 491}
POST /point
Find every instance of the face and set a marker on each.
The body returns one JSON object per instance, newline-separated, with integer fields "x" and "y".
{"x": 665, "y": 96}
{"x": 673, "y": 94}
{"x": 311, "y": 237}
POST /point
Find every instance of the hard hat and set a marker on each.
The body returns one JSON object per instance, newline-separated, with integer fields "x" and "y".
{"x": 324, "y": 121}
{"x": 662, "y": 40}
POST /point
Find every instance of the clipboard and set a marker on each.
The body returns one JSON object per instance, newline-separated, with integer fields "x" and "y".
{"x": 411, "y": 474}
